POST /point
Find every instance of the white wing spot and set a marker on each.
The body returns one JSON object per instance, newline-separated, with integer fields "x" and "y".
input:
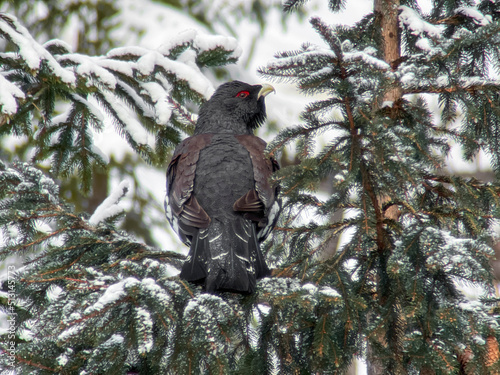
{"x": 241, "y": 238}
{"x": 215, "y": 238}
{"x": 242, "y": 258}
{"x": 220, "y": 256}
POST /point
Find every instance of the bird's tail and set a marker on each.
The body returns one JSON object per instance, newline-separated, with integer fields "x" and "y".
{"x": 226, "y": 256}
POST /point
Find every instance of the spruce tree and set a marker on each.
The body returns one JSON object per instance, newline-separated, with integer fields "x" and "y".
{"x": 92, "y": 21}
{"x": 413, "y": 233}
{"x": 89, "y": 26}
{"x": 91, "y": 299}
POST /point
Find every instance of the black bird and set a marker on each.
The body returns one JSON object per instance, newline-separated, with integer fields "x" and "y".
{"x": 219, "y": 199}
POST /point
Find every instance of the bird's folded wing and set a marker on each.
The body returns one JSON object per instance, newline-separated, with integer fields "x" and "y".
{"x": 250, "y": 202}
{"x": 180, "y": 182}
{"x": 193, "y": 214}
{"x": 263, "y": 167}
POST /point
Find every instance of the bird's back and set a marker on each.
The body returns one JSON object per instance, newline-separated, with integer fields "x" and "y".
{"x": 223, "y": 174}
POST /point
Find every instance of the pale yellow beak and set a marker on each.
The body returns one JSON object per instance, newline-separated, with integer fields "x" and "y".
{"x": 266, "y": 90}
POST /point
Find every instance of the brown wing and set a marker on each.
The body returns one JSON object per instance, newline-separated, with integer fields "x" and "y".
{"x": 263, "y": 167}
{"x": 180, "y": 181}
{"x": 250, "y": 202}
{"x": 260, "y": 204}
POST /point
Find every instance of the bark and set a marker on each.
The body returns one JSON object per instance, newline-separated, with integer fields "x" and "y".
{"x": 99, "y": 190}
{"x": 386, "y": 12}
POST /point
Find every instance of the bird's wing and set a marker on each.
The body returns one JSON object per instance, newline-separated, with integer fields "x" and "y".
{"x": 182, "y": 208}
{"x": 260, "y": 204}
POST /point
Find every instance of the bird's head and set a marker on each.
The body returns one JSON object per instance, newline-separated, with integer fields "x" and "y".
{"x": 235, "y": 107}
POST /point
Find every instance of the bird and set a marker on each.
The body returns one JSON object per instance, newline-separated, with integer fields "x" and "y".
{"x": 219, "y": 197}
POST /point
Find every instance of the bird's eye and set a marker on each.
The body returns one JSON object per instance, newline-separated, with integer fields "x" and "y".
{"x": 242, "y": 94}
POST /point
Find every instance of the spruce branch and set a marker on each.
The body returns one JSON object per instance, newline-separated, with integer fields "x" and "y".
{"x": 410, "y": 224}
{"x": 142, "y": 91}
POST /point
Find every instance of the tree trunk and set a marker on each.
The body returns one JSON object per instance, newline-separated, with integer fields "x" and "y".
{"x": 386, "y": 13}
{"x": 99, "y": 189}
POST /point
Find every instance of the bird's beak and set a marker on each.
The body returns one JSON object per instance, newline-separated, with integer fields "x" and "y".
{"x": 265, "y": 90}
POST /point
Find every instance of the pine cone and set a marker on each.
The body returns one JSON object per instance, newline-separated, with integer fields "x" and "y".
{"x": 492, "y": 351}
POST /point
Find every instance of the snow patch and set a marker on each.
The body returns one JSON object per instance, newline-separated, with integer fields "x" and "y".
{"x": 113, "y": 293}
{"x": 416, "y": 24}
{"x": 146, "y": 328}
{"x": 205, "y": 42}
{"x": 182, "y": 71}
{"x": 70, "y": 332}
{"x": 59, "y": 43}
{"x": 122, "y": 67}
{"x": 26, "y": 334}
{"x": 366, "y": 58}
{"x": 9, "y": 92}
{"x": 94, "y": 111}
{"x": 159, "y": 96}
{"x": 156, "y": 292}
{"x": 111, "y": 205}
{"x": 310, "y": 288}
{"x": 115, "y": 339}
{"x": 33, "y": 53}
{"x": 127, "y": 119}
{"x": 329, "y": 292}
{"x": 89, "y": 66}
{"x": 59, "y": 119}
{"x": 183, "y": 38}
{"x": 122, "y": 52}
{"x": 62, "y": 360}
{"x": 424, "y": 44}
{"x": 143, "y": 106}
{"x": 54, "y": 292}
{"x": 478, "y": 17}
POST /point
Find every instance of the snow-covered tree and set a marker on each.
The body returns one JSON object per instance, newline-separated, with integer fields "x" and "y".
{"x": 411, "y": 233}
{"x": 91, "y": 22}
{"x": 92, "y": 299}
{"x": 95, "y": 27}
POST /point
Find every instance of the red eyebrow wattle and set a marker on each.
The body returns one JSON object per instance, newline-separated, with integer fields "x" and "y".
{"x": 242, "y": 94}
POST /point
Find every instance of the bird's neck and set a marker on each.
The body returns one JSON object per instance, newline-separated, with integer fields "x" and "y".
{"x": 221, "y": 126}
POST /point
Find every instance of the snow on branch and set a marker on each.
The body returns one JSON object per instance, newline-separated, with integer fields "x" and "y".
{"x": 159, "y": 96}
{"x": 202, "y": 43}
{"x": 123, "y": 116}
{"x": 93, "y": 110}
{"x": 111, "y": 207}
{"x": 142, "y": 91}
{"x": 417, "y": 25}
{"x": 367, "y": 57}
{"x": 89, "y": 67}
{"x": 478, "y": 17}
{"x": 9, "y": 92}
{"x": 177, "y": 62}
{"x": 31, "y": 52}
{"x": 299, "y": 63}
{"x": 183, "y": 72}
{"x": 113, "y": 293}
